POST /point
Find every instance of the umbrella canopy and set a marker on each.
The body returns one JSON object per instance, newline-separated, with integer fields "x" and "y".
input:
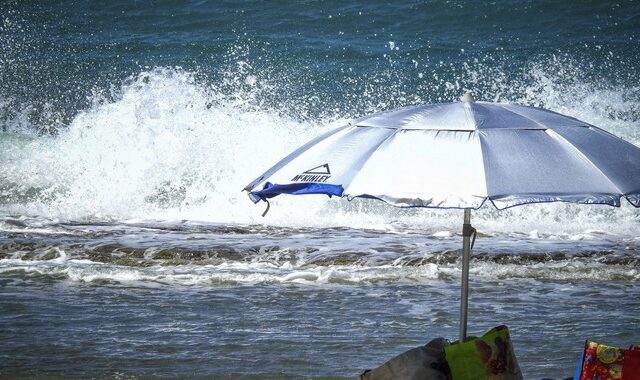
{"x": 459, "y": 155}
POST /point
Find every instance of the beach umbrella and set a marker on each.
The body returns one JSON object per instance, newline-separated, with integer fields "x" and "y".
{"x": 460, "y": 155}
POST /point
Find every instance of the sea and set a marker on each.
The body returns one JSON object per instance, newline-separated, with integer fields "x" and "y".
{"x": 128, "y": 130}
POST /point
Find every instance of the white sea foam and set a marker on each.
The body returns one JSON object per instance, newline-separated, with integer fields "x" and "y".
{"x": 168, "y": 147}
{"x": 235, "y": 273}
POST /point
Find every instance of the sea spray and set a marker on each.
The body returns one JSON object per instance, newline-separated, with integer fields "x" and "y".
{"x": 163, "y": 145}
{"x": 171, "y": 144}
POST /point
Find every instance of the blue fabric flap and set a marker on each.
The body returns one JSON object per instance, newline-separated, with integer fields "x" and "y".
{"x": 271, "y": 190}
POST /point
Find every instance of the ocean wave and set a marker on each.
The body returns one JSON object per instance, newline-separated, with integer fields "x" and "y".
{"x": 191, "y": 253}
{"x": 167, "y": 145}
{"x": 252, "y": 273}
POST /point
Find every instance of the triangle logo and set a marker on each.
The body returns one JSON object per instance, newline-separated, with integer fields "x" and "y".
{"x": 319, "y": 174}
{"x": 322, "y": 169}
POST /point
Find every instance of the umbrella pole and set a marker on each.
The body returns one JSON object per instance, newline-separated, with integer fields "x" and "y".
{"x": 467, "y": 232}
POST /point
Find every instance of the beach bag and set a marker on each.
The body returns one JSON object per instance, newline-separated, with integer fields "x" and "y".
{"x": 600, "y": 362}
{"x": 420, "y": 363}
{"x": 489, "y": 357}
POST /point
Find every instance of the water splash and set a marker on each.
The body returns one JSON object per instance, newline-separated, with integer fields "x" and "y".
{"x": 174, "y": 144}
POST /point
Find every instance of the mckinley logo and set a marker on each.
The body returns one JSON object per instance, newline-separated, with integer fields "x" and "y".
{"x": 318, "y": 174}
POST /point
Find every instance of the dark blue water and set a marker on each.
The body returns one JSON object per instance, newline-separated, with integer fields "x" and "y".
{"x": 319, "y": 58}
{"x": 128, "y": 130}
{"x": 54, "y": 327}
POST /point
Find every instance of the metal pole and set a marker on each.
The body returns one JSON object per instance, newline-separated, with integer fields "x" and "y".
{"x": 466, "y": 250}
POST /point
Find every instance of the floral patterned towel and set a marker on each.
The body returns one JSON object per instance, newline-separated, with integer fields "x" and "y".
{"x": 600, "y": 362}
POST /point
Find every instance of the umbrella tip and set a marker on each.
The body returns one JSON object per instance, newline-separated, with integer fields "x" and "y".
{"x": 468, "y": 97}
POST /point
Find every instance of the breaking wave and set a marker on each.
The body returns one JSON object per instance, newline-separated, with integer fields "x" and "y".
{"x": 170, "y": 145}
{"x": 212, "y": 255}
{"x": 251, "y": 273}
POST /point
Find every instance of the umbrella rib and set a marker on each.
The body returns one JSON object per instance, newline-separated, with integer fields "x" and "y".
{"x": 509, "y": 109}
{"x": 553, "y": 112}
{"x": 293, "y": 155}
{"x": 484, "y": 169}
{"x": 468, "y": 113}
